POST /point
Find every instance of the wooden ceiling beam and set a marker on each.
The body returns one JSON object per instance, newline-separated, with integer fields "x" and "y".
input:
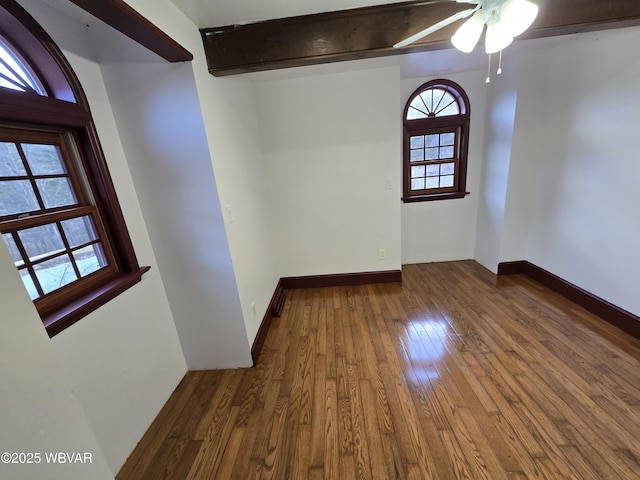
{"x": 119, "y": 15}
{"x": 371, "y": 32}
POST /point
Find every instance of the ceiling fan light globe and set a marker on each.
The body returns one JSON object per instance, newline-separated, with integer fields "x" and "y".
{"x": 467, "y": 36}
{"x": 518, "y": 15}
{"x": 497, "y": 37}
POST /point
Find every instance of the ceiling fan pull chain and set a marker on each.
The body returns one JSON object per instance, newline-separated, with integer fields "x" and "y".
{"x": 488, "y": 80}
{"x": 499, "y": 64}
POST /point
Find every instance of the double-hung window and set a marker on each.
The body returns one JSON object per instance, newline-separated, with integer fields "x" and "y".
{"x": 59, "y": 215}
{"x": 53, "y": 231}
{"x": 436, "y": 138}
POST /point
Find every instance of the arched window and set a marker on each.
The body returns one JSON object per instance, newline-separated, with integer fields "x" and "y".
{"x": 436, "y": 140}
{"x": 59, "y": 215}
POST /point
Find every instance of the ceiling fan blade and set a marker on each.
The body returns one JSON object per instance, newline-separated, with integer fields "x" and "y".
{"x": 435, "y": 27}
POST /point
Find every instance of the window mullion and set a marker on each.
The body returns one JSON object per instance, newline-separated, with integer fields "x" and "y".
{"x": 34, "y": 279}
{"x": 426, "y": 109}
{"x": 20, "y": 83}
{"x": 42, "y": 218}
{"x": 435, "y": 108}
{"x": 30, "y": 175}
{"x": 27, "y": 263}
{"x": 12, "y": 81}
{"x": 446, "y": 106}
{"x": 67, "y": 247}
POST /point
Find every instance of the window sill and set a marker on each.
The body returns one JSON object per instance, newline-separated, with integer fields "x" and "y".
{"x": 434, "y": 196}
{"x": 63, "y": 318}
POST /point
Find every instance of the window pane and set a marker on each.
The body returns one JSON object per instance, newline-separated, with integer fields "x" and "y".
{"x": 432, "y": 153}
{"x": 89, "y": 259}
{"x": 447, "y": 168}
{"x": 433, "y": 170}
{"x": 79, "y": 231}
{"x": 41, "y": 241}
{"x": 446, "y": 152}
{"x": 417, "y": 155}
{"x": 417, "y": 142}
{"x": 450, "y": 110}
{"x": 447, "y": 138}
{"x": 17, "y": 196}
{"x": 10, "y": 162}
{"x": 43, "y": 159}
{"x": 432, "y": 140}
{"x": 417, "y": 171}
{"x": 13, "y": 81}
{"x": 417, "y": 184}
{"x": 419, "y": 107}
{"x": 21, "y": 79}
{"x": 426, "y": 98}
{"x": 55, "y": 273}
{"x": 432, "y": 182}
{"x": 446, "y": 181}
{"x": 413, "y": 113}
{"x": 56, "y": 192}
{"x": 447, "y": 106}
{"x": 28, "y": 284}
{"x": 13, "y": 249}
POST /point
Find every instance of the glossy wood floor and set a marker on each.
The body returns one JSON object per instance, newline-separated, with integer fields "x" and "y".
{"x": 445, "y": 377}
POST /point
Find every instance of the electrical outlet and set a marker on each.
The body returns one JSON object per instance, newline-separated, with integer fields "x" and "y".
{"x": 382, "y": 254}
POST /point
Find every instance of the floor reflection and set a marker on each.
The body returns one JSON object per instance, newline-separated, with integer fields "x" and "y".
{"x": 425, "y": 346}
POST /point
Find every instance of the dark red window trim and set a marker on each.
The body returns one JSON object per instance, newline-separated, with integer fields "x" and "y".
{"x": 425, "y": 125}
{"x": 67, "y": 107}
{"x": 82, "y": 306}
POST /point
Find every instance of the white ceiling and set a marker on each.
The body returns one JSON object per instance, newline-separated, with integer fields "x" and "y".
{"x": 216, "y": 13}
{"x": 211, "y": 13}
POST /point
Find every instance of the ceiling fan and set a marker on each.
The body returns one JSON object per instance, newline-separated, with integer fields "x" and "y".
{"x": 504, "y": 19}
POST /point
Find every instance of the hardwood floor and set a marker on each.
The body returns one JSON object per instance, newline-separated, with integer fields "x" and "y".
{"x": 450, "y": 375}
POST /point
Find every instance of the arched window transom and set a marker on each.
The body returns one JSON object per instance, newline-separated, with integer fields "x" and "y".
{"x": 15, "y": 73}
{"x": 433, "y": 102}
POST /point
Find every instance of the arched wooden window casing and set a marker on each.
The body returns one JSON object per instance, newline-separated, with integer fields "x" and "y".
{"x": 435, "y": 142}
{"x": 59, "y": 214}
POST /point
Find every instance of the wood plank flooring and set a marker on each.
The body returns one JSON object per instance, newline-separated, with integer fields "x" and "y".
{"x": 451, "y": 375}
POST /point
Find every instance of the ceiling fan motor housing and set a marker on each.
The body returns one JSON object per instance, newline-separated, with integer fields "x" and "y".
{"x": 491, "y": 10}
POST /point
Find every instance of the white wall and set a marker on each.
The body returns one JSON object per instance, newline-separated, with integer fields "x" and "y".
{"x": 161, "y": 127}
{"x": 560, "y": 165}
{"x": 585, "y": 223}
{"x": 446, "y": 230}
{"x": 123, "y": 361}
{"x": 231, "y": 129}
{"x": 40, "y": 408}
{"x": 234, "y": 141}
{"x": 529, "y": 137}
{"x": 502, "y": 97}
{"x": 331, "y": 143}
